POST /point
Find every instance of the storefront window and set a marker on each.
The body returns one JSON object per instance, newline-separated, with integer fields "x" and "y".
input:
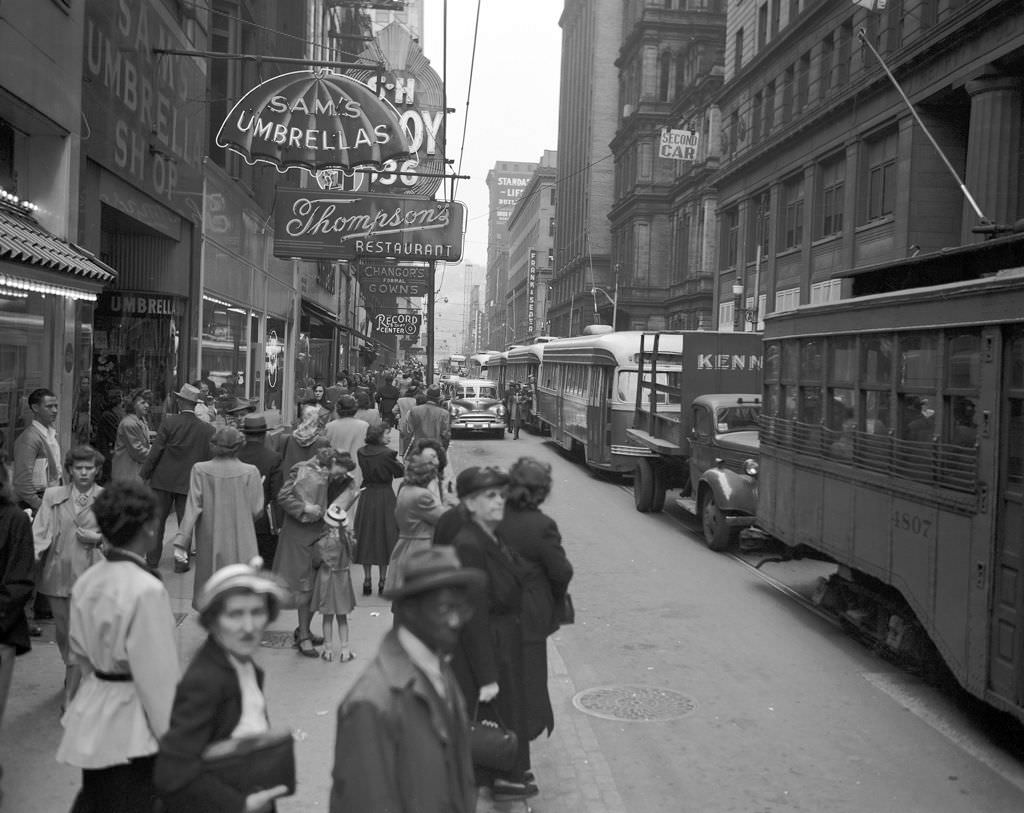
{"x": 225, "y": 347}
{"x": 24, "y": 348}
{"x": 315, "y": 352}
{"x": 137, "y": 343}
{"x": 273, "y": 364}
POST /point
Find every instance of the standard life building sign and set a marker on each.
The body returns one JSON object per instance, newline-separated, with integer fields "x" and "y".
{"x": 343, "y": 226}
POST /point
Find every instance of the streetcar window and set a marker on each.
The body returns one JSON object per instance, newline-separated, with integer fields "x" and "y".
{"x": 877, "y": 412}
{"x": 810, "y": 405}
{"x": 917, "y": 418}
{"x": 841, "y": 408}
{"x": 919, "y": 361}
{"x": 964, "y": 361}
{"x": 1015, "y": 438}
{"x": 626, "y": 388}
{"x": 1016, "y": 353}
{"x": 876, "y": 360}
{"x": 790, "y": 361}
{"x": 842, "y": 360}
{"x": 962, "y": 429}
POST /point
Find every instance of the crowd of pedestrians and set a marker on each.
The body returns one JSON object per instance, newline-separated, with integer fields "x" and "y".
{"x": 472, "y": 566}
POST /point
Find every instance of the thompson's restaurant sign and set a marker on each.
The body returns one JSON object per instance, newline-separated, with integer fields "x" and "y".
{"x": 344, "y": 226}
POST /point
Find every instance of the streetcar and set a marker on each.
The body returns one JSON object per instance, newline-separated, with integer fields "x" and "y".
{"x": 522, "y": 367}
{"x": 587, "y": 390}
{"x": 892, "y": 442}
{"x": 475, "y": 365}
{"x": 493, "y": 368}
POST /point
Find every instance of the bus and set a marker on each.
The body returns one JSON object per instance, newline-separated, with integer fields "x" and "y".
{"x": 475, "y": 365}
{"x": 586, "y": 394}
{"x": 892, "y": 443}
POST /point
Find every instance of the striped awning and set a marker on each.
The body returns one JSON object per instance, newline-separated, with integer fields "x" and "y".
{"x": 22, "y": 240}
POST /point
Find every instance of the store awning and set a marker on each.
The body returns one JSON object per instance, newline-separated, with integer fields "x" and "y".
{"x": 24, "y": 241}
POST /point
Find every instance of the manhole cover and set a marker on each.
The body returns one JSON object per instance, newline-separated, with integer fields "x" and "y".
{"x": 277, "y": 640}
{"x": 637, "y": 703}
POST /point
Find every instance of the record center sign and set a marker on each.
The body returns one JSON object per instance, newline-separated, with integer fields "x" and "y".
{"x": 311, "y": 223}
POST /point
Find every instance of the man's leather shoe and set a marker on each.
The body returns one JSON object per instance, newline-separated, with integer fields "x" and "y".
{"x": 34, "y": 630}
{"x": 503, "y": 789}
{"x": 182, "y": 567}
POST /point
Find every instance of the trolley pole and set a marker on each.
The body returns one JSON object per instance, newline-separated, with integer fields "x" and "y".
{"x": 431, "y": 294}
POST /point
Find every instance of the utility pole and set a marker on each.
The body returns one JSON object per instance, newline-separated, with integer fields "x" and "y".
{"x": 431, "y": 294}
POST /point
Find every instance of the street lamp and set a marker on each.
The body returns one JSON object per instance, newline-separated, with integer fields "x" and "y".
{"x": 613, "y": 301}
{"x": 743, "y": 314}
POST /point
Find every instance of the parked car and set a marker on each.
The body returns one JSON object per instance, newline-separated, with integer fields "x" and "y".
{"x": 475, "y": 407}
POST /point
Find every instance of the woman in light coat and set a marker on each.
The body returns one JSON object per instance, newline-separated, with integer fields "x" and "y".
{"x": 417, "y": 510}
{"x": 122, "y": 637}
{"x": 67, "y": 540}
{"x": 225, "y": 496}
{"x": 131, "y": 448}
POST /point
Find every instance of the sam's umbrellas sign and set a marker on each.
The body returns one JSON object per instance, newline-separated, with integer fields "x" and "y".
{"x": 397, "y": 324}
{"x": 315, "y": 120}
{"x": 345, "y": 226}
{"x": 386, "y": 278}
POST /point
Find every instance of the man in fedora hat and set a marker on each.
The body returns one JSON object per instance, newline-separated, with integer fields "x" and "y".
{"x": 430, "y": 420}
{"x": 257, "y": 453}
{"x": 182, "y": 441}
{"x": 403, "y": 731}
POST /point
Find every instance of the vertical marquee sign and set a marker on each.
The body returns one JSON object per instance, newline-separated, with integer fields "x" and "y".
{"x": 531, "y": 294}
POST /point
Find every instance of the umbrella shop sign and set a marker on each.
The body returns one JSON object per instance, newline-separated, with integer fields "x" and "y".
{"x": 315, "y": 120}
{"x": 345, "y": 226}
{"x": 397, "y": 324}
{"x": 393, "y": 279}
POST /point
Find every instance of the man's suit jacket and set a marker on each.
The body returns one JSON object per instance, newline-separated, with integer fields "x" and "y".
{"x": 29, "y": 447}
{"x": 431, "y": 421}
{"x": 182, "y": 441}
{"x": 258, "y": 454}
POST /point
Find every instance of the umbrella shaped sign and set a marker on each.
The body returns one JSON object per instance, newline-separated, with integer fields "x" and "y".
{"x": 315, "y": 120}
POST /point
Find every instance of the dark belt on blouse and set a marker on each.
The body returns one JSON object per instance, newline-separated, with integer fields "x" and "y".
{"x": 114, "y": 677}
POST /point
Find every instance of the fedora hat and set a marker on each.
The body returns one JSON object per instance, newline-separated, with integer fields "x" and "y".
{"x": 477, "y": 478}
{"x": 434, "y": 394}
{"x": 254, "y": 424}
{"x": 431, "y": 569}
{"x": 233, "y": 404}
{"x": 188, "y": 393}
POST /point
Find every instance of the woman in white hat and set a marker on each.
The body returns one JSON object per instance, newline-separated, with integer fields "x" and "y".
{"x": 221, "y": 695}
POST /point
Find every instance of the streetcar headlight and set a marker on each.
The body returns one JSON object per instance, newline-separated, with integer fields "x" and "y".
{"x": 751, "y": 467}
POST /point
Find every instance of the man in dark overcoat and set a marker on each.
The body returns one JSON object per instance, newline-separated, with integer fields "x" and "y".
{"x": 181, "y": 442}
{"x": 403, "y": 731}
{"x": 256, "y": 452}
{"x": 430, "y": 419}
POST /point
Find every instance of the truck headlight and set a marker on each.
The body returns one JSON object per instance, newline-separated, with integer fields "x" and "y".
{"x": 751, "y": 467}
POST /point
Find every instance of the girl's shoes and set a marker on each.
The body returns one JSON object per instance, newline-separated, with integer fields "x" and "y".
{"x": 345, "y": 657}
{"x": 368, "y": 587}
{"x": 327, "y": 655}
{"x": 380, "y": 587}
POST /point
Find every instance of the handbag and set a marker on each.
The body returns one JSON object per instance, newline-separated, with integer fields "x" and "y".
{"x": 491, "y": 744}
{"x": 565, "y": 613}
{"x": 253, "y": 763}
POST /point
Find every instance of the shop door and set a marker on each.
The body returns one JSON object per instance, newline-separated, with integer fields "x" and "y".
{"x": 1006, "y": 659}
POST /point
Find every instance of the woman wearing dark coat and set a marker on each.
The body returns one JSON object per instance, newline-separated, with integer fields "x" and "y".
{"x": 488, "y": 662}
{"x": 375, "y": 527}
{"x": 220, "y": 695}
{"x": 546, "y": 575}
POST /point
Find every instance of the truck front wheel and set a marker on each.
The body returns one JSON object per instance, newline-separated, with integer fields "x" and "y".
{"x": 717, "y": 534}
{"x": 648, "y": 487}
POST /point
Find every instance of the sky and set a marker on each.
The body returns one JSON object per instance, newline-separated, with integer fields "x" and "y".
{"x": 512, "y": 112}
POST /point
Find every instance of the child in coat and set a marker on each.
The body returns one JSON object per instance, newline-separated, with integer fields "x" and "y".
{"x": 333, "y": 596}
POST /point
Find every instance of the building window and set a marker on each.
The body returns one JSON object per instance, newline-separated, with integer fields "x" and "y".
{"x": 803, "y": 81}
{"x": 739, "y": 50}
{"x": 832, "y": 180}
{"x": 730, "y": 236}
{"x": 757, "y": 114}
{"x": 787, "y": 94}
{"x": 845, "y": 50}
{"x": 830, "y": 291}
{"x": 642, "y": 263}
{"x": 881, "y": 186}
{"x": 759, "y": 229}
{"x": 734, "y": 130}
{"x": 664, "y": 75}
{"x": 553, "y": 191}
{"x": 646, "y": 160}
{"x": 762, "y": 26}
{"x": 769, "y": 107}
{"x": 787, "y": 300}
{"x": 793, "y": 213}
{"x": 726, "y": 315}
{"x": 828, "y": 56}
{"x": 794, "y": 10}
{"x": 551, "y": 227}
{"x": 776, "y": 17}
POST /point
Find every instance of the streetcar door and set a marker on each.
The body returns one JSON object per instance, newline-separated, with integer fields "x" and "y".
{"x": 1006, "y": 659}
{"x": 598, "y": 414}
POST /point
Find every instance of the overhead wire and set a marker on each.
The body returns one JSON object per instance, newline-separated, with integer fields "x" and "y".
{"x": 469, "y": 94}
